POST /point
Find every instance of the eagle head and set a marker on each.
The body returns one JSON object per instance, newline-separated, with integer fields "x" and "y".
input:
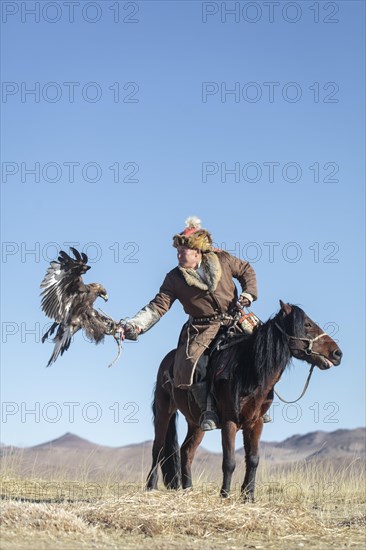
{"x": 99, "y": 290}
{"x": 103, "y": 293}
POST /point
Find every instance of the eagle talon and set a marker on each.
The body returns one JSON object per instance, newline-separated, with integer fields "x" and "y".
{"x": 119, "y": 333}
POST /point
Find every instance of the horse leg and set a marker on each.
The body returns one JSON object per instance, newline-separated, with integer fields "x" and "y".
{"x": 228, "y": 433}
{"x": 170, "y": 461}
{"x": 157, "y": 453}
{"x": 188, "y": 449}
{"x": 251, "y": 446}
{"x": 162, "y": 418}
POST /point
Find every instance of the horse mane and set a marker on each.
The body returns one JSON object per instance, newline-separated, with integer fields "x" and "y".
{"x": 265, "y": 353}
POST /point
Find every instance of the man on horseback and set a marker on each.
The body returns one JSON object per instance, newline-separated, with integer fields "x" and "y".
{"x": 203, "y": 283}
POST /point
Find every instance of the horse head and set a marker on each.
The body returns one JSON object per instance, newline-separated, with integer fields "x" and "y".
{"x": 307, "y": 341}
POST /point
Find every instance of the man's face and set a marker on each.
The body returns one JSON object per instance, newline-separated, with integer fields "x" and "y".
{"x": 187, "y": 257}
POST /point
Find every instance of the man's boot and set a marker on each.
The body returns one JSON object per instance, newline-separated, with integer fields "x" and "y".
{"x": 208, "y": 419}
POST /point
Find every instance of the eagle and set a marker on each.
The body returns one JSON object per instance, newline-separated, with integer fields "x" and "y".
{"x": 69, "y": 302}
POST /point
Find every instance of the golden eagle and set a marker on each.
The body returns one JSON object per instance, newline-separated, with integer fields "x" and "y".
{"x": 69, "y": 301}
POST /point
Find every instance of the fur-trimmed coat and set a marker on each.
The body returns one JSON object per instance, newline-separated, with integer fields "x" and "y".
{"x": 212, "y": 294}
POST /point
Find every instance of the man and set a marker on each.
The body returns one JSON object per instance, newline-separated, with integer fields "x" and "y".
{"x": 203, "y": 283}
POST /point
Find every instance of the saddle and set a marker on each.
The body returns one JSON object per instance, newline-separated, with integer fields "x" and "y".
{"x": 219, "y": 361}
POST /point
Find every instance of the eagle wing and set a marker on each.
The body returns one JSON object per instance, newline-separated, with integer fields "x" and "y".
{"x": 63, "y": 284}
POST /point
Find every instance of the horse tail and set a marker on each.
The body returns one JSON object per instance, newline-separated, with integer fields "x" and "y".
{"x": 170, "y": 465}
{"x": 166, "y": 450}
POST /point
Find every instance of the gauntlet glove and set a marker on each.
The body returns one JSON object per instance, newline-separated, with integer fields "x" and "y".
{"x": 245, "y": 299}
{"x": 130, "y": 332}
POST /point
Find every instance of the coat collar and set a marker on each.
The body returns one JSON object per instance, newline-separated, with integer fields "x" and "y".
{"x": 212, "y": 270}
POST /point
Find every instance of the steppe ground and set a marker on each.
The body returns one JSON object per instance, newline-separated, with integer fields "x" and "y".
{"x": 306, "y": 506}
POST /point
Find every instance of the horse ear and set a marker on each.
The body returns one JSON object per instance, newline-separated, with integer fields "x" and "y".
{"x": 286, "y": 308}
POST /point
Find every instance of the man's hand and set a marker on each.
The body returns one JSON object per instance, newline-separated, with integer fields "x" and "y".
{"x": 129, "y": 331}
{"x": 244, "y": 301}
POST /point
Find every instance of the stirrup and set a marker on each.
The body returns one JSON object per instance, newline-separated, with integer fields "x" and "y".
{"x": 209, "y": 421}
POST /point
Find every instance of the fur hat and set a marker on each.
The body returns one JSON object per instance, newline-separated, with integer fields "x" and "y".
{"x": 193, "y": 236}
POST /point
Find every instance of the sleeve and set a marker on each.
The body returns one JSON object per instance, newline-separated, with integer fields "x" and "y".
{"x": 149, "y": 315}
{"x": 245, "y": 274}
{"x": 165, "y": 298}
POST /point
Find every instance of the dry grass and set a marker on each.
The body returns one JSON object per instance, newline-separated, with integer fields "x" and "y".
{"x": 307, "y": 506}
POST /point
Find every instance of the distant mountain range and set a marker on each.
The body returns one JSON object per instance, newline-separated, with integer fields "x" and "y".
{"x": 72, "y": 457}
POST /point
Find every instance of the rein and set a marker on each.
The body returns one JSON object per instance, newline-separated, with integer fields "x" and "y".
{"x": 309, "y": 351}
{"x": 303, "y": 391}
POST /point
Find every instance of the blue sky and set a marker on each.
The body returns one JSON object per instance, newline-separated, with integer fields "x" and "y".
{"x": 179, "y": 108}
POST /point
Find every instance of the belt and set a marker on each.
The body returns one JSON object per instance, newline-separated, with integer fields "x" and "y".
{"x": 205, "y": 320}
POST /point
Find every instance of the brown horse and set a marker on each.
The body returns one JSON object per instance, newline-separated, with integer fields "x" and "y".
{"x": 255, "y": 366}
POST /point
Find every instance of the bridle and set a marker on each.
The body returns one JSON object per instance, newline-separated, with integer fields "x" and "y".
{"x": 309, "y": 351}
{"x": 310, "y": 341}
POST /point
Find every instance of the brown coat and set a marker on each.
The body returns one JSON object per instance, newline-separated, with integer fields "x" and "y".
{"x": 214, "y": 294}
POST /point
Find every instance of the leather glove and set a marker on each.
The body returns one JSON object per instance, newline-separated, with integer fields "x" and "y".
{"x": 244, "y": 301}
{"x": 130, "y": 332}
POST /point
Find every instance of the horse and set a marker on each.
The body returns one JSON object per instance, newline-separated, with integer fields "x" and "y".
{"x": 254, "y": 365}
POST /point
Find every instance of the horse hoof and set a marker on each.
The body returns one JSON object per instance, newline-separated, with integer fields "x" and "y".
{"x": 149, "y": 488}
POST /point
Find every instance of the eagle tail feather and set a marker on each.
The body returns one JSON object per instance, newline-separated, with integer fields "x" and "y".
{"x": 62, "y": 342}
{"x": 50, "y": 331}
